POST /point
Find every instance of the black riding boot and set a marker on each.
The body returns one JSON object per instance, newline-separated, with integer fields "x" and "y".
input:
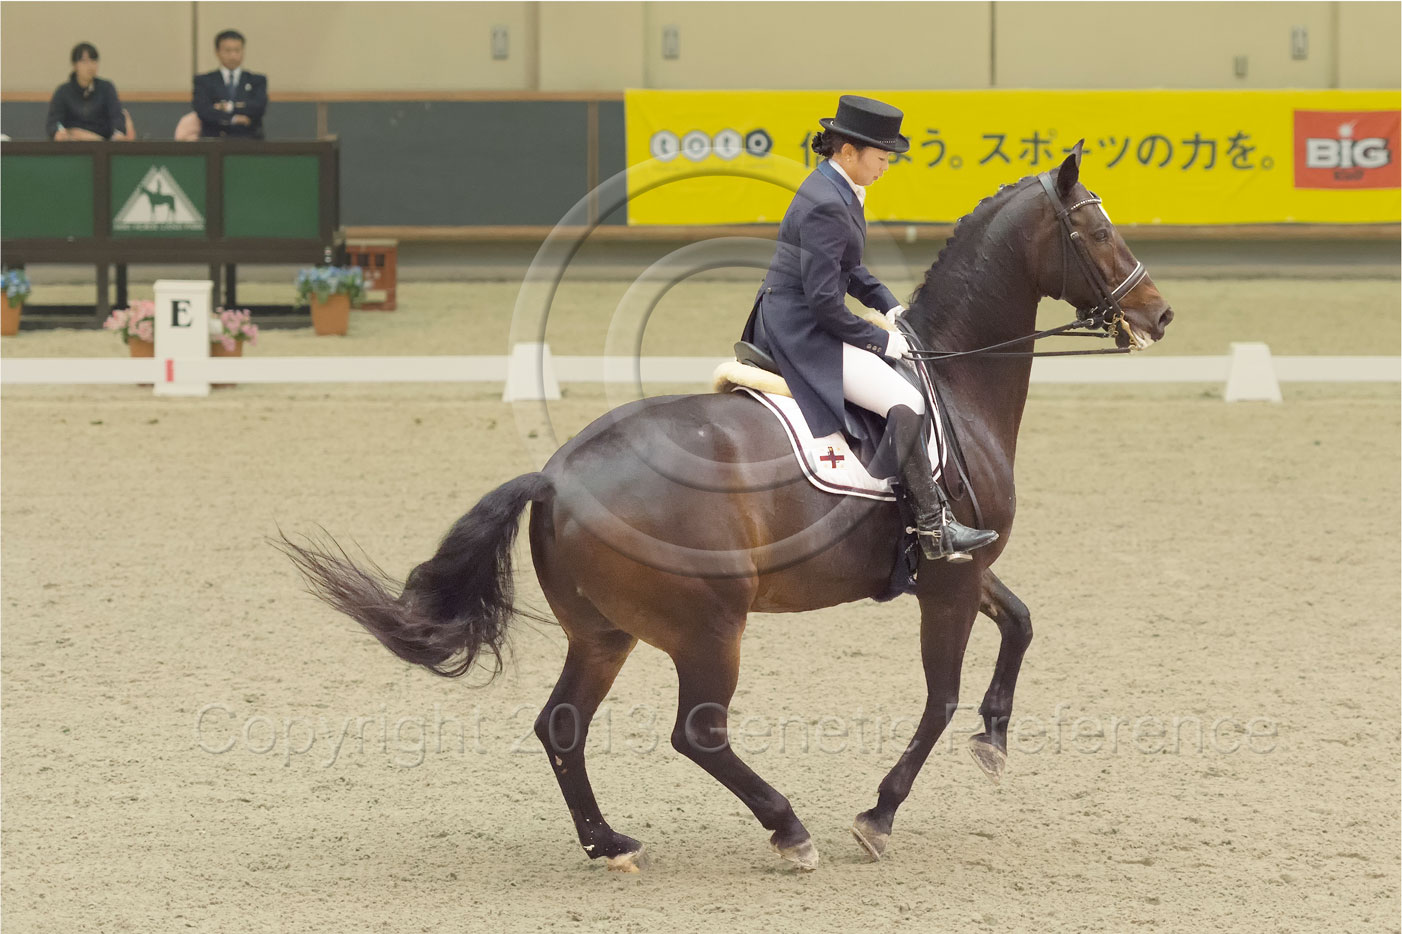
{"x": 940, "y": 534}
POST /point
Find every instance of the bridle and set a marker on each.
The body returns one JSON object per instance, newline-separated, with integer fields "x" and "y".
{"x": 1106, "y": 313}
{"x": 1103, "y": 319}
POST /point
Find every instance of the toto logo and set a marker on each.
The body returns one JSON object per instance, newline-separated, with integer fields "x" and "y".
{"x": 664, "y": 145}
{"x": 1347, "y": 149}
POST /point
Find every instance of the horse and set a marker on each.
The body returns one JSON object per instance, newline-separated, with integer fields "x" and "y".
{"x": 157, "y": 198}
{"x": 670, "y": 519}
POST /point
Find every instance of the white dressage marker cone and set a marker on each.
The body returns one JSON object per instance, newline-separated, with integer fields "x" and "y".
{"x": 1251, "y": 374}
{"x": 530, "y": 374}
{"x": 182, "y": 335}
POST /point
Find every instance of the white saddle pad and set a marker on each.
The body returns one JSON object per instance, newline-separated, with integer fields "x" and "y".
{"x": 828, "y": 462}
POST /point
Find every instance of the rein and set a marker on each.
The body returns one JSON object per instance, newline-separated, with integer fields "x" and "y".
{"x": 1081, "y": 327}
{"x": 1102, "y": 320}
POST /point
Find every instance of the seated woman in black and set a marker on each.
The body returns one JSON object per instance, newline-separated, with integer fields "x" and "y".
{"x": 826, "y": 353}
{"x": 85, "y": 107}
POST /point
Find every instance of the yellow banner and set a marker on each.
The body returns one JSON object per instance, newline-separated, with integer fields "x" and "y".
{"x": 1155, "y": 157}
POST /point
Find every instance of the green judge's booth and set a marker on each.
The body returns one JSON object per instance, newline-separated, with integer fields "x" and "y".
{"x": 216, "y": 203}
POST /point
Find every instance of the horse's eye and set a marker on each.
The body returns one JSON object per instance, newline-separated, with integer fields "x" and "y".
{"x": 1101, "y": 235}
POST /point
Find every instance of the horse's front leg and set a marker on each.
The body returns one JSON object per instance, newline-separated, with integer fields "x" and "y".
{"x": 998, "y": 603}
{"x": 949, "y": 602}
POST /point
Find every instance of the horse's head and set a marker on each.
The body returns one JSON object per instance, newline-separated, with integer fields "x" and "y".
{"x": 1086, "y": 262}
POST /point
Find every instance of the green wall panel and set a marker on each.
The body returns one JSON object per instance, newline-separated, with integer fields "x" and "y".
{"x": 270, "y": 196}
{"x": 46, "y": 196}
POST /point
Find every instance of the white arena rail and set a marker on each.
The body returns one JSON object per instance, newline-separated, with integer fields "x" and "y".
{"x": 1249, "y": 372}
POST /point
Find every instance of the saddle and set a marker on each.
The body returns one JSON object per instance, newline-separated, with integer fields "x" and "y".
{"x": 750, "y": 355}
{"x": 756, "y": 371}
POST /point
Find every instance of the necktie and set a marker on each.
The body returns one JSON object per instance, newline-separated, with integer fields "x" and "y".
{"x": 231, "y": 87}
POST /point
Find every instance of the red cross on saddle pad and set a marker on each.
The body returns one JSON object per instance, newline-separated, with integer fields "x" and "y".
{"x": 827, "y": 462}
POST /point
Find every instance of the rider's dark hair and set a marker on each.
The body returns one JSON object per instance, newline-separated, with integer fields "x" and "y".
{"x": 229, "y": 34}
{"x": 828, "y": 142}
{"x": 83, "y": 50}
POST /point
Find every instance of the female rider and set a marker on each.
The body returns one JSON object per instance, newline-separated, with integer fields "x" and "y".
{"x": 826, "y": 353}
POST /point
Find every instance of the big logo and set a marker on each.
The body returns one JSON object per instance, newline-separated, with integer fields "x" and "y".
{"x": 1347, "y": 149}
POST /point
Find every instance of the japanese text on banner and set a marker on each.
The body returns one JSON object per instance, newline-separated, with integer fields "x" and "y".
{"x": 1156, "y": 157}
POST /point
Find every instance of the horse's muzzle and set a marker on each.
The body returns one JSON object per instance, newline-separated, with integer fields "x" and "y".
{"x": 1164, "y": 318}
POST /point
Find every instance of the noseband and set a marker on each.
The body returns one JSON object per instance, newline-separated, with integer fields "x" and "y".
{"x": 1106, "y": 313}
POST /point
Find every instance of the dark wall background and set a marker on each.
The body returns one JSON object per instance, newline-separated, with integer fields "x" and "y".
{"x": 428, "y": 163}
{"x": 612, "y": 151}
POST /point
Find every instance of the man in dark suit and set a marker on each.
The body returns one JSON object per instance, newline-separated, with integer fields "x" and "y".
{"x": 229, "y": 102}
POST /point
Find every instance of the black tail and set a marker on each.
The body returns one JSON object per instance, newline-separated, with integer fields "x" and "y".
{"x": 455, "y": 606}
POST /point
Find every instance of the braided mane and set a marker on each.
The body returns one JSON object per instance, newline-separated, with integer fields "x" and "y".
{"x": 952, "y": 279}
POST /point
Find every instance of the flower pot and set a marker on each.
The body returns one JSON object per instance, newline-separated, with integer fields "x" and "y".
{"x": 140, "y": 348}
{"x": 9, "y": 316}
{"x": 216, "y": 349}
{"x": 331, "y": 316}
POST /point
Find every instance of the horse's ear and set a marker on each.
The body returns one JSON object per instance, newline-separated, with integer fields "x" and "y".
{"x": 1070, "y": 171}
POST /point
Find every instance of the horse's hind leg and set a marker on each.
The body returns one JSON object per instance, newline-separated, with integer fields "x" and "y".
{"x": 707, "y": 675}
{"x": 596, "y": 653}
{"x": 998, "y": 603}
{"x": 592, "y": 662}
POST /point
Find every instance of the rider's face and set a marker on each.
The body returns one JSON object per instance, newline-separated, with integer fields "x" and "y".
{"x": 866, "y": 165}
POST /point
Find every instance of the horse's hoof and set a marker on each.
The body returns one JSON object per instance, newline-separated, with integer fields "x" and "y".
{"x": 627, "y": 862}
{"x": 804, "y": 855}
{"x": 872, "y": 839}
{"x": 991, "y": 760}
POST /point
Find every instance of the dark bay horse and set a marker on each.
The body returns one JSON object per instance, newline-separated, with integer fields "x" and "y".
{"x": 671, "y": 519}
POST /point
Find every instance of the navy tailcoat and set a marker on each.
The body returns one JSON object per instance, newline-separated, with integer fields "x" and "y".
{"x": 799, "y": 317}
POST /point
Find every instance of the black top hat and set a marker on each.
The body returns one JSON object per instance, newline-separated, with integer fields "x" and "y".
{"x": 868, "y": 121}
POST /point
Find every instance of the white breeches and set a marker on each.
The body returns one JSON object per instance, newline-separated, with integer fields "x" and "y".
{"x": 869, "y": 381}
